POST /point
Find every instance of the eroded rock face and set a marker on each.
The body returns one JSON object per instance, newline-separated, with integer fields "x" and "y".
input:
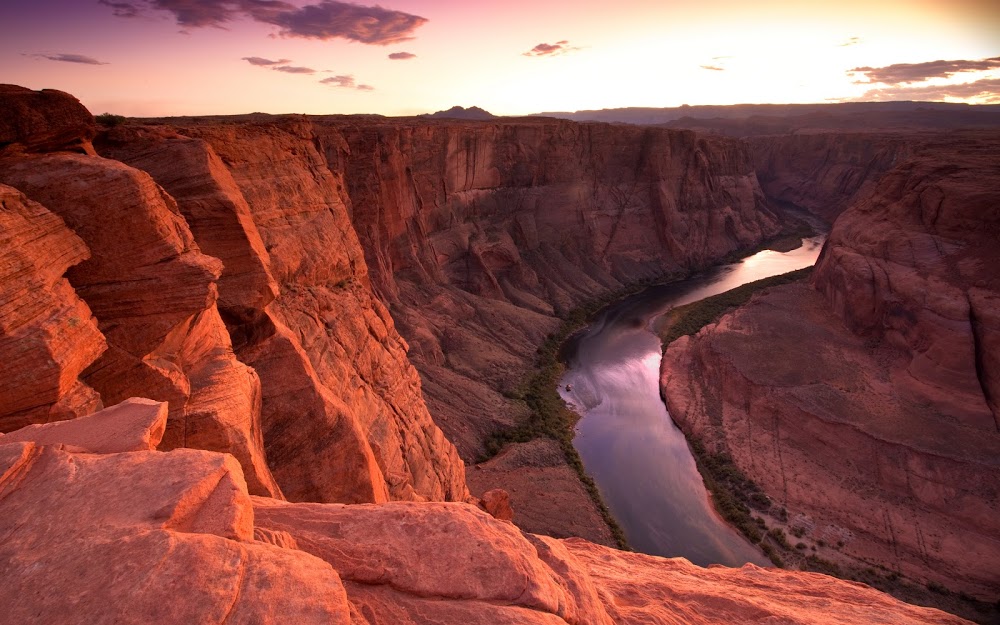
{"x": 866, "y": 407}
{"x": 153, "y": 293}
{"x": 103, "y": 538}
{"x": 136, "y": 424}
{"x": 144, "y": 537}
{"x": 343, "y": 417}
{"x": 478, "y": 233}
{"x": 915, "y": 265}
{"x": 48, "y": 335}
{"x": 43, "y": 121}
{"x": 825, "y": 173}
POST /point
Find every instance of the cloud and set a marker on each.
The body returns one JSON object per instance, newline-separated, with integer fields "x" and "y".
{"x": 347, "y": 81}
{"x": 121, "y": 9}
{"x": 326, "y": 19}
{"x": 69, "y": 58}
{"x": 853, "y": 41}
{"x": 256, "y": 60}
{"x": 715, "y": 68}
{"x": 986, "y": 90}
{"x": 551, "y": 49}
{"x": 294, "y": 70}
{"x": 402, "y": 56}
{"x": 918, "y": 72}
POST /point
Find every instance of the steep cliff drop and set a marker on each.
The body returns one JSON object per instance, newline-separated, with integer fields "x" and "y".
{"x": 880, "y": 439}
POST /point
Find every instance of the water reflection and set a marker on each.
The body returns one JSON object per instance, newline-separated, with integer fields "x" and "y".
{"x": 637, "y": 456}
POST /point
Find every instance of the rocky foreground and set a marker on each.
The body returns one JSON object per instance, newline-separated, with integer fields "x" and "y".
{"x": 866, "y": 404}
{"x": 211, "y": 417}
{"x": 96, "y": 526}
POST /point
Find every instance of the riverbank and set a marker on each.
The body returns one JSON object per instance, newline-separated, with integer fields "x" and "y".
{"x": 782, "y": 363}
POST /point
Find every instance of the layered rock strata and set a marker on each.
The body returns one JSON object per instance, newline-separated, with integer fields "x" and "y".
{"x": 867, "y": 407}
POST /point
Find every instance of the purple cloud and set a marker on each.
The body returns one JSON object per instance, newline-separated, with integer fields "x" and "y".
{"x": 402, "y": 56}
{"x": 69, "y": 58}
{"x": 288, "y": 69}
{"x": 346, "y": 81}
{"x": 987, "y": 89}
{"x": 551, "y": 49}
{"x": 918, "y": 72}
{"x": 256, "y": 60}
{"x": 326, "y": 19}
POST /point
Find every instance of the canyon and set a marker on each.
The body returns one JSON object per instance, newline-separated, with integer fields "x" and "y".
{"x": 250, "y": 362}
{"x": 880, "y": 440}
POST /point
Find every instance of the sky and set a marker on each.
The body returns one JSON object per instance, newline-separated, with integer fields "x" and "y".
{"x": 404, "y": 57}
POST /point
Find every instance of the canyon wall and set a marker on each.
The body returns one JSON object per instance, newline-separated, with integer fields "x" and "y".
{"x": 865, "y": 404}
{"x": 825, "y": 173}
{"x": 285, "y": 360}
{"x": 479, "y": 234}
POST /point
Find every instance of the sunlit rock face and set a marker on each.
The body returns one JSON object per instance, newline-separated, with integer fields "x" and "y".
{"x": 867, "y": 401}
{"x": 134, "y": 535}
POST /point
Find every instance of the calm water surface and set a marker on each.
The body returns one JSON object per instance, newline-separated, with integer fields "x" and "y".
{"x": 635, "y": 453}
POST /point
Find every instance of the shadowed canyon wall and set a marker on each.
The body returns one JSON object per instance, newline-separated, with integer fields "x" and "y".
{"x": 866, "y": 404}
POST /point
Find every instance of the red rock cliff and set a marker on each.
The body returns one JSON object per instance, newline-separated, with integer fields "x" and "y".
{"x": 879, "y": 437}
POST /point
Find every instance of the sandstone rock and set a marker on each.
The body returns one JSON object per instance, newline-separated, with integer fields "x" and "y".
{"x": 398, "y": 546}
{"x": 343, "y": 418}
{"x": 153, "y": 293}
{"x": 914, "y": 265}
{"x": 145, "y": 537}
{"x": 546, "y": 495}
{"x": 825, "y": 173}
{"x": 136, "y": 424}
{"x": 637, "y": 588}
{"x": 497, "y": 503}
{"x": 47, "y": 334}
{"x": 44, "y": 121}
{"x": 887, "y": 436}
{"x": 212, "y": 205}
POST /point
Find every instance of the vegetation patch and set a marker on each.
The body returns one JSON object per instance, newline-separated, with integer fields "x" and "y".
{"x": 110, "y": 121}
{"x": 691, "y": 318}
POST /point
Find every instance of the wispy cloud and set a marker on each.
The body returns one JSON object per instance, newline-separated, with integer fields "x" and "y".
{"x": 853, "y": 41}
{"x": 402, "y": 56}
{"x": 918, "y": 72}
{"x": 346, "y": 81}
{"x": 256, "y": 60}
{"x": 326, "y": 19}
{"x": 714, "y": 68}
{"x": 69, "y": 58}
{"x": 551, "y": 49}
{"x": 986, "y": 90}
{"x": 288, "y": 69}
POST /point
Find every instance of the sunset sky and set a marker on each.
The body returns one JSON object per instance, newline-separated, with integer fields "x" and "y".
{"x": 402, "y": 57}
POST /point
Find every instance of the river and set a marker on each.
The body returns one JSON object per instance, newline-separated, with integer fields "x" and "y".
{"x": 638, "y": 458}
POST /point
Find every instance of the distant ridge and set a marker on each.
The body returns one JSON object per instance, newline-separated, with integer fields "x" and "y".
{"x": 648, "y": 115}
{"x": 459, "y": 112}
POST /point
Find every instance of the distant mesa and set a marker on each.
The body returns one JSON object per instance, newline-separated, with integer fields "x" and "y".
{"x": 458, "y": 112}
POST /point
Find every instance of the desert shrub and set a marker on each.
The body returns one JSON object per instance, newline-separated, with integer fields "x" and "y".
{"x": 110, "y": 121}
